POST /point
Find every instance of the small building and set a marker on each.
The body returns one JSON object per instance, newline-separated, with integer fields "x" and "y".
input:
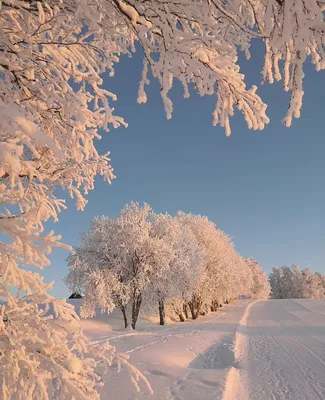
{"x": 76, "y": 296}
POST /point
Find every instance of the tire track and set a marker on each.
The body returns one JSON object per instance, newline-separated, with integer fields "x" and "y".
{"x": 297, "y": 362}
{"x": 236, "y": 387}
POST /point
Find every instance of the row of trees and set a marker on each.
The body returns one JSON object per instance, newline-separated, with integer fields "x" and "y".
{"x": 293, "y": 283}
{"x": 179, "y": 264}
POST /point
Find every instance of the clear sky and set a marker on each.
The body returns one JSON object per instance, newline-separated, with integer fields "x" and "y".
{"x": 264, "y": 188}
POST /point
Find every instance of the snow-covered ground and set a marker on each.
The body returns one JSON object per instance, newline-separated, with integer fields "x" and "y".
{"x": 281, "y": 352}
{"x": 246, "y": 351}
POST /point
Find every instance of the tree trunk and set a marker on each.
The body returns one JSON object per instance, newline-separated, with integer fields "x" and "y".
{"x": 181, "y": 317}
{"x": 161, "y": 312}
{"x": 122, "y": 307}
{"x": 214, "y": 306}
{"x": 198, "y": 306}
{"x": 205, "y": 311}
{"x": 192, "y": 309}
{"x": 125, "y": 317}
{"x": 195, "y": 306}
{"x": 136, "y": 303}
{"x": 197, "y": 313}
{"x": 185, "y": 311}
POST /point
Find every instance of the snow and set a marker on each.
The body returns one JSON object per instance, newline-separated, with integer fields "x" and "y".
{"x": 248, "y": 350}
{"x": 283, "y": 352}
{"x": 188, "y": 360}
{"x": 74, "y": 365}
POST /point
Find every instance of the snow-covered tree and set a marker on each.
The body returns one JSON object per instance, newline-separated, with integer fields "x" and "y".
{"x": 197, "y": 43}
{"x": 224, "y": 275}
{"x": 275, "y": 283}
{"x": 174, "y": 279}
{"x": 118, "y": 259}
{"x": 51, "y": 107}
{"x": 260, "y": 288}
{"x": 293, "y": 283}
{"x": 321, "y": 280}
{"x": 311, "y": 286}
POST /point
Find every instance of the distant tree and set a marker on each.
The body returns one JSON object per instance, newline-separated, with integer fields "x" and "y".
{"x": 275, "y": 283}
{"x": 311, "y": 285}
{"x": 260, "y": 288}
{"x": 321, "y": 280}
{"x": 292, "y": 283}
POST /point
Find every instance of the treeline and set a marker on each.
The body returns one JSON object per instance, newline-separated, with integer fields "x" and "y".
{"x": 181, "y": 266}
{"x": 293, "y": 283}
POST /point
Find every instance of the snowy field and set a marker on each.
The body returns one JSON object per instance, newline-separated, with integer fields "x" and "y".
{"x": 247, "y": 350}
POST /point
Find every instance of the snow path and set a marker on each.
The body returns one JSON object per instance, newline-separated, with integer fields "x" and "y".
{"x": 182, "y": 361}
{"x": 282, "y": 354}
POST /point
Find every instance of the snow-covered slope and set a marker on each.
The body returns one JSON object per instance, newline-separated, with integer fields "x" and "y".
{"x": 246, "y": 351}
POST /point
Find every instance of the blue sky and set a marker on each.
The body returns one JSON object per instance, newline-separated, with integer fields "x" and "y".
{"x": 264, "y": 188}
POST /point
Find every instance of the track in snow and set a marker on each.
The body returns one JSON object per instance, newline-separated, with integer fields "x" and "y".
{"x": 282, "y": 353}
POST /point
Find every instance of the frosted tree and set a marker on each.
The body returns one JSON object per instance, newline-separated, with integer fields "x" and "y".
{"x": 51, "y": 107}
{"x": 260, "y": 288}
{"x": 311, "y": 285}
{"x": 204, "y": 232}
{"x": 197, "y": 43}
{"x": 93, "y": 266}
{"x": 286, "y": 282}
{"x": 321, "y": 280}
{"x": 117, "y": 260}
{"x": 174, "y": 278}
{"x": 275, "y": 283}
{"x": 223, "y": 275}
{"x": 293, "y": 283}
